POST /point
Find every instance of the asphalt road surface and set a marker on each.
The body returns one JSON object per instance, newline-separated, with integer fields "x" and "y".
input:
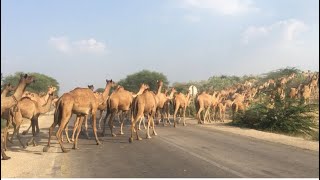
{"x": 190, "y": 151}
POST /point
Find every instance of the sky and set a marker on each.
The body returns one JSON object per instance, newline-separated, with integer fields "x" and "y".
{"x": 82, "y": 42}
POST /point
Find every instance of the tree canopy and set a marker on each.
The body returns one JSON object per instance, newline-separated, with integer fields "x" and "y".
{"x": 133, "y": 81}
{"x": 40, "y": 85}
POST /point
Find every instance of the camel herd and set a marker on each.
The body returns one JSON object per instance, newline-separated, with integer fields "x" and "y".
{"x": 137, "y": 107}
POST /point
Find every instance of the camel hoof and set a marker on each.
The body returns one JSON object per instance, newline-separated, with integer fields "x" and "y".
{"x": 184, "y": 124}
{"x": 155, "y": 134}
{"x": 46, "y": 148}
{"x": 65, "y": 150}
{"x": 114, "y": 135}
{"x": 5, "y": 157}
{"x": 130, "y": 140}
{"x": 24, "y": 132}
{"x": 121, "y": 133}
{"x": 75, "y": 148}
{"x": 148, "y": 137}
{"x": 139, "y": 138}
{"x": 98, "y": 143}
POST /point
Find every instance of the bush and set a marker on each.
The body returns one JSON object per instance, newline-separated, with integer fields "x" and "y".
{"x": 283, "y": 116}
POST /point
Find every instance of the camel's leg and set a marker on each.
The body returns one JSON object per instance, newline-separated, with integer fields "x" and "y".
{"x": 17, "y": 127}
{"x": 86, "y": 127}
{"x": 100, "y": 118}
{"x": 104, "y": 121}
{"x": 3, "y": 154}
{"x": 175, "y": 114}
{"x": 37, "y": 126}
{"x": 5, "y": 137}
{"x": 66, "y": 131}
{"x": 122, "y": 122}
{"x": 184, "y": 116}
{"x": 152, "y": 124}
{"x": 94, "y": 126}
{"x": 27, "y": 130}
{"x": 110, "y": 123}
{"x": 75, "y": 127}
{"x": 134, "y": 127}
{"x": 54, "y": 124}
{"x": 199, "y": 115}
{"x": 75, "y": 143}
{"x": 148, "y": 132}
{"x": 58, "y": 135}
{"x": 33, "y": 124}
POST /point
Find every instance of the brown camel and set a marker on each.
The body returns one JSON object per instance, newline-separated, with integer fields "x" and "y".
{"x": 82, "y": 102}
{"x": 144, "y": 104}
{"x": 162, "y": 98}
{"x": 180, "y": 101}
{"x": 29, "y": 109}
{"x": 120, "y": 101}
{"x": 236, "y": 106}
{"x": 293, "y": 93}
{"x": 41, "y": 100}
{"x": 167, "y": 105}
{"x": 222, "y": 106}
{"x": 8, "y": 102}
{"x": 203, "y": 102}
{"x": 306, "y": 94}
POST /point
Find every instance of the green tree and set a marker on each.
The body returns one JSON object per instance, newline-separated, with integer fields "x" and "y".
{"x": 133, "y": 81}
{"x": 40, "y": 85}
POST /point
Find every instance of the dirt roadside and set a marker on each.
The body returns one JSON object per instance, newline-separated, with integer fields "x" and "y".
{"x": 33, "y": 163}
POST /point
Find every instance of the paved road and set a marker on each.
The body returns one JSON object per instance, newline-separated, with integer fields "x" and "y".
{"x": 190, "y": 151}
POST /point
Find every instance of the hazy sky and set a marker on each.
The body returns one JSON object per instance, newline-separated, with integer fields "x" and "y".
{"x": 81, "y": 42}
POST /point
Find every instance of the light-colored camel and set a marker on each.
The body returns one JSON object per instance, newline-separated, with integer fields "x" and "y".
{"x": 41, "y": 100}
{"x": 215, "y": 99}
{"x": 82, "y": 102}
{"x": 6, "y": 89}
{"x": 203, "y": 102}
{"x": 29, "y": 109}
{"x": 120, "y": 101}
{"x": 167, "y": 105}
{"x": 143, "y": 105}
{"x": 180, "y": 101}
{"x": 293, "y": 93}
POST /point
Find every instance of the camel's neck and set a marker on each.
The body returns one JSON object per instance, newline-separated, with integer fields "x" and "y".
{"x": 106, "y": 92}
{"x": 139, "y": 92}
{"x": 46, "y": 107}
{"x": 159, "y": 89}
{"x": 4, "y": 92}
{"x": 171, "y": 95}
{"x": 19, "y": 91}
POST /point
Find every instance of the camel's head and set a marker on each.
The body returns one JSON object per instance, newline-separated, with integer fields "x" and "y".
{"x": 91, "y": 87}
{"x": 159, "y": 83}
{"x": 112, "y": 83}
{"x": 144, "y": 86}
{"x": 27, "y": 79}
{"x": 9, "y": 87}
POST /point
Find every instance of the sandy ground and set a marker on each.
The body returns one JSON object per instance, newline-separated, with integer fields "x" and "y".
{"x": 33, "y": 163}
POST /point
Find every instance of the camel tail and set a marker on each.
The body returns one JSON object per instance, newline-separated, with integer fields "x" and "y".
{"x": 57, "y": 112}
{"x": 134, "y": 108}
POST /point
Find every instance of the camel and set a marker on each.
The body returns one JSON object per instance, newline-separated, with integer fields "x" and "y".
{"x": 203, "y": 102}
{"x": 41, "y": 100}
{"x": 306, "y": 94}
{"x": 222, "y": 108}
{"x": 120, "y": 100}
{"x": 8, "y": 102}
{"x": 293, "y": 93}
{"x": 144, "y": 104}
{"x": 215, "y": 99}
{"x": 167, "y": 105}
{"x": 82, "y": 102}
{"x": 236, "y": 106}
{"x": 29, "y": 109}
{"x": 162, "y": 98}
{"x": 180, "y": 101}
